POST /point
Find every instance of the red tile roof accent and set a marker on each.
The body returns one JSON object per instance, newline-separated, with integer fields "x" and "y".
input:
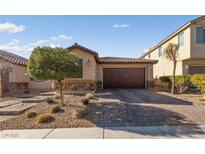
{"x": 123, "y": 60}
{"x": 76, "y": 45}
{"x": 116, "y": 60}
{"x": 12, "y": 58}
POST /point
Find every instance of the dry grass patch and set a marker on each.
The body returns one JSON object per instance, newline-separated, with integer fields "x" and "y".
{"x": 45, "y": 118}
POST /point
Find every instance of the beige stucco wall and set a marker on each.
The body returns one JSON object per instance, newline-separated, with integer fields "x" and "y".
{"x": 40, "y": 85}
{"x": 197, "y": 50}
{"x": 89, "y": 64}
{"x": 189, "y": 54}
{"x": 18, "y": 74}
{"x": 164, "y": 66}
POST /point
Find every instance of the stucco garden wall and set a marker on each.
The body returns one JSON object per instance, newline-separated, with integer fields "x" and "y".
{"x": 18, "y": 73}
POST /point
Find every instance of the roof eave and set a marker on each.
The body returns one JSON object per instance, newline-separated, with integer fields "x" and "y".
{"x": 153, "y": 62}
{"x": 172, "y": 35}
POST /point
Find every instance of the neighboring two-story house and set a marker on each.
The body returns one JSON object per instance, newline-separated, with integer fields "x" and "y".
{"x": 191, "y": 59}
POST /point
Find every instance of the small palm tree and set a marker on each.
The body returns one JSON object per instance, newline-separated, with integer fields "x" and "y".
{"x": 171, "y": 53}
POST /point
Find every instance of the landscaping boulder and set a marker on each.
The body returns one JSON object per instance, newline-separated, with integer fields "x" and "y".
{"x": 78, "y": 113}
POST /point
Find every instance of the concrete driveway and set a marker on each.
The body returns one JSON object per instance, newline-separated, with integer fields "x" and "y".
{"x": 138, "y": 107}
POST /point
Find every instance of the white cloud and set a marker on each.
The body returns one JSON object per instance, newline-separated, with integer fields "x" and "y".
{"x": 11, "y": 27}
{"x": 16, "y": 47}
{"x": 121, "y": 26}
{"x": 39, "y": 43}
{"x": 13, "y": 46}
{"x": 54, "y": 45}
{"x": 61, "y": 37}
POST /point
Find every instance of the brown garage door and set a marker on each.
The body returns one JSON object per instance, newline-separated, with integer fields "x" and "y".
{"x": 123, "y": 78}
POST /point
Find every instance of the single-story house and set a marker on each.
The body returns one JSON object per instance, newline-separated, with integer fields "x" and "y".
{"x": 97, "y": 72}
{"x": 14, "y": 77}
{"x": 110, "y": 72}
{"x": 13, "y": 72}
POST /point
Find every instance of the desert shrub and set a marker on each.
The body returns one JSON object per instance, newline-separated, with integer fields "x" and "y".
{"x": 45, "y": 118}
{"x": 56, "y": 109}
{"x": 85, "y": 101}
{"x": 31, "y": 115}
{"x": 78, "y": 113}
{"x": 166, "y": 79}
{"x": 89, "y": 96}
{"x": 182, "y": 82}
{"x": 199, "y": 81}
{"x": 50, "y": 100}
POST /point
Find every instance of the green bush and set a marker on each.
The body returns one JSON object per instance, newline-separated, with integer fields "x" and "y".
{"x": 45, "y": 118}
{"x": 31, "y": 114}
{"x": 199, "y": 81}
{"x": 182, "y": 82}
{"x": 166, "y": 79}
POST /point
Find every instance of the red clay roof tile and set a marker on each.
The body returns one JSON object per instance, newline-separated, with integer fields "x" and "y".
{"x": 12, "y": 58}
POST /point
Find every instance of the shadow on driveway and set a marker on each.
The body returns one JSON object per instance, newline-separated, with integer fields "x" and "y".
{"x": 128, "y": 108}
{"x": 142, "y": 96}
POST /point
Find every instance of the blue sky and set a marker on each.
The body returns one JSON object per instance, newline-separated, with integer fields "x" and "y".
{"x": 127, "y": 36}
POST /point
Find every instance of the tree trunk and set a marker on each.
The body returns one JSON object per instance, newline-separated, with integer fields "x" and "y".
{"x": 173, "y": 77}
{"x": 61, "y": 93}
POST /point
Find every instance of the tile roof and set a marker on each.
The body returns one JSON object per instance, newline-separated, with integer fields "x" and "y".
{"x": 12, "y": 58}
{"x": 118, "y": 60}
{"x": 76, "y": 45}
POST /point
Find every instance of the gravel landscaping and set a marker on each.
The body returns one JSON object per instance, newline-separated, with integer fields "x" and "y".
{"x": 117, "y": 108}
{"x": 62, "y": 119}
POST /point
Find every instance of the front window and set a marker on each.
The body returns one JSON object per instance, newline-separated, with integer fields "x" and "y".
{"x": 149, "y": 56}
{"x": 181, "y": 39}
{"x": 200, "y": 35}
{"x": 160, "y": 51}
{"x": 79, "y": 74}
{"x": 81, "y": 66}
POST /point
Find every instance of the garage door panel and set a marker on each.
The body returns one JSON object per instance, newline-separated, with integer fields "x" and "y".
{"x": 123, "y": 77}
{"x": 196, "y": 69}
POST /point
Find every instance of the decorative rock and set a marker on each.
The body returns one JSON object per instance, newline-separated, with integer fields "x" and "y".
{"x": 78, "y": 113}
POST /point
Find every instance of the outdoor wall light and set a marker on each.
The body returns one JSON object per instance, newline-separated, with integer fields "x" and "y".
{"x": 88, "y": 62}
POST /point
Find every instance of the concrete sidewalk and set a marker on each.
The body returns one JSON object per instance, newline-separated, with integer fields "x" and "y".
{"x": 158, "y": 132}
